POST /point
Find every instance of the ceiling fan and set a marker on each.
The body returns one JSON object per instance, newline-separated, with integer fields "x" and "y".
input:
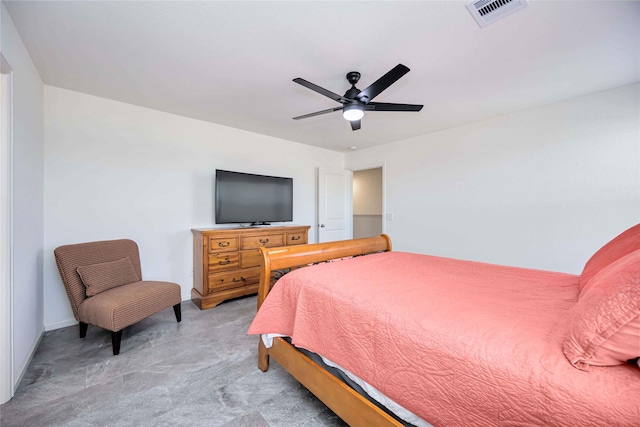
{"x": 355, "y": 101}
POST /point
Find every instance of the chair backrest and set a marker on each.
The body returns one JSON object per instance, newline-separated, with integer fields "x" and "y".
{"x": 70, "y": 257}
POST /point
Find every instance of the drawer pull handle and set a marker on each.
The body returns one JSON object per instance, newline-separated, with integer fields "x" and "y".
{"x": 225, "y": 262}
{"x": 296, "y": 237}
{"x": 224, "y": 244}
{"x": 241, "y": 279}
{"x": 264, "y": 241}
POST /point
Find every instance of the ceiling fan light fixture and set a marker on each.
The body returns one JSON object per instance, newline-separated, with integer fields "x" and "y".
{"x": 352, "y": 112}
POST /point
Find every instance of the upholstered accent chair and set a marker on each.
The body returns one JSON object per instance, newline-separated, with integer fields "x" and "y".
{"x": 104, "y": 284}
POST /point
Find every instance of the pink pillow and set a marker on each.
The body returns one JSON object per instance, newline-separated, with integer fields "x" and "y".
{"x": 621, "y": 245}
{"x": 604, "y": 329}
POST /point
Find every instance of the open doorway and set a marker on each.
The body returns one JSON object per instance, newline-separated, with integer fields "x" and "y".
{"x": 368, "y": 203}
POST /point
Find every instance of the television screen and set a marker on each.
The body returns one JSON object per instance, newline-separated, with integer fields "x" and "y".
{"x": 258, "y": 199}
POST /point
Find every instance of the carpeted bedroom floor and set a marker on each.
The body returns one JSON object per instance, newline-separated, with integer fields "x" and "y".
{"x": 200, "y": 372}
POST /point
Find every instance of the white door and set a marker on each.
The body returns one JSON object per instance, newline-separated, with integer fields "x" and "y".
{"x": 334, "y": 205}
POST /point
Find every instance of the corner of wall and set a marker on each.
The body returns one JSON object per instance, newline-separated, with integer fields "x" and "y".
{"x": 25, "y": 364}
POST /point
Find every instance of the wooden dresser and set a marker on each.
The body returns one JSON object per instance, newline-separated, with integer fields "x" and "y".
{"x": 226, "y": 261}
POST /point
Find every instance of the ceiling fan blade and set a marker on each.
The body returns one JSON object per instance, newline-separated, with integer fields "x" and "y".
{"x": 386, "y": 106}
{"x": 317, "y": 113}
{"x": 355, "y": 125}
{"x": 382, "y": 83}
{"x": 321, "y": 90}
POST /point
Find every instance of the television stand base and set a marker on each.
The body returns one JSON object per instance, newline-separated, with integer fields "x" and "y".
{"x": 257, "y": 223}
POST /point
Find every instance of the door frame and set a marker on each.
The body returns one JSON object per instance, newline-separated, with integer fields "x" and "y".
{"x": 6, "y": 232}
{"x": 383, "y": 166}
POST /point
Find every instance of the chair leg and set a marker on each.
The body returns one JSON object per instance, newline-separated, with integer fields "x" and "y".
{"x": 178, "y": 312}
{"x": 83, "y": 329}
{"x": 116, "y": 338}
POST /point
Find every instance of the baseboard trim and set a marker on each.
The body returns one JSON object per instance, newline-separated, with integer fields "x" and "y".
{"x": 61, "y": 324}
{"x": 25, "y": 364}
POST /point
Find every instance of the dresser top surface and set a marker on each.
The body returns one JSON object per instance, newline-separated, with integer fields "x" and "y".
{"x": 249, "y": 229}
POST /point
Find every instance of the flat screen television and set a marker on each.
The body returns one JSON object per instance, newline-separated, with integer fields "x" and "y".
{"x": 257, "y": 199}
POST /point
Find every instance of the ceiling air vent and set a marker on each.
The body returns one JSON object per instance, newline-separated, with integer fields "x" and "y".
{"x": 486, "y": 12}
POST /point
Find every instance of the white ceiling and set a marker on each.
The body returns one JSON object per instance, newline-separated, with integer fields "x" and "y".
{"x": 232, "y": 62}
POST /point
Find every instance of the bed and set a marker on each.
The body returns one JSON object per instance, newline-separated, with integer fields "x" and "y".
{"x": 457, "y": 343}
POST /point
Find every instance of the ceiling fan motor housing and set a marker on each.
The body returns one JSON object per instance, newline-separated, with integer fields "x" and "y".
{"x": 352, "y": 93}
{"x": 354, "y": 110}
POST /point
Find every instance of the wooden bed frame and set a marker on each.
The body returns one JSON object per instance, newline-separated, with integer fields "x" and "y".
{"x": 354, "y": 409}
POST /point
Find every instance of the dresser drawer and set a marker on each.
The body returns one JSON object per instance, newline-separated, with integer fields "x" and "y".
{"x": 233, "y": 279}
{"x": 266, "y": 240}
{"x": 296, "y": 238}
{"x": 224, "y": 244}
{"x": 250, "y": 258}
{"x": 223, "y": 261}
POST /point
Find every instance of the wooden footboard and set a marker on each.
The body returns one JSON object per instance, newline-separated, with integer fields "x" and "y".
{"x": 354, "y": 409}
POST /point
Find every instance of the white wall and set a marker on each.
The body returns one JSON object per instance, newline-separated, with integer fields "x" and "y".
{"x": 367, "y": 192}
{"x": 115, "y": 170}
{"x": 543, "y": 188}
{"x": 367, "y": 203}
{"x": 28, "y": 223}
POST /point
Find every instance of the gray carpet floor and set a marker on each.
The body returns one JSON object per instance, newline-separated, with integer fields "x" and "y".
{"x": 200, "y": 372}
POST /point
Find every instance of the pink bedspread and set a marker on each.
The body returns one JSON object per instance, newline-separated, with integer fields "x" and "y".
{"x": 458, "y": 343}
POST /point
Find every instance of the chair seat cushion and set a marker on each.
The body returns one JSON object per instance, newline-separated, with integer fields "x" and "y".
{"x": 125, "y": 305}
